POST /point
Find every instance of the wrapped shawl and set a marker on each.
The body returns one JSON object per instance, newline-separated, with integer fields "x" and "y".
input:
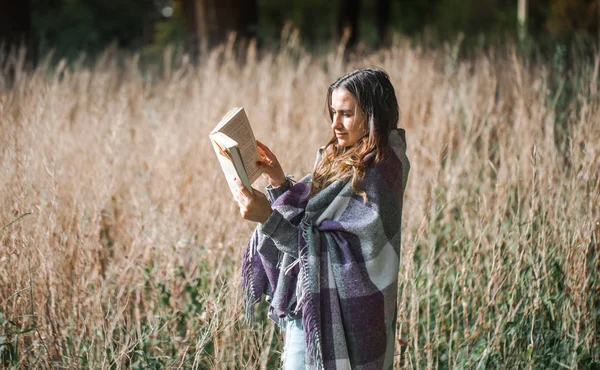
{"x": 345, "y": 253}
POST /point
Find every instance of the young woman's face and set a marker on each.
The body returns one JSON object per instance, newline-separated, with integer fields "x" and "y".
{"x": 348, "y": 122}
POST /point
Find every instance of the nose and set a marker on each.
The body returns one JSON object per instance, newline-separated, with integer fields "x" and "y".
{"x": 336, "y": 121}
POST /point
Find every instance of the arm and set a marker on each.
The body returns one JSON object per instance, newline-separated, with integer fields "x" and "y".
{"x": 347, "y": 219}
{"x": 254, "y": 206}
{"x": 283, "y": 233}
{"x": 273, "y": 192}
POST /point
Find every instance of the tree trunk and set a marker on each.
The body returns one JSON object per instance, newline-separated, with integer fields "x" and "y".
{"x": 15, "y": 27}
{"x": 192, "y": 44}
{"x": 208, "y": 22}
{"x": 382, "y": 12}
{"x": 348, "y": 21}
{"x": 522, "y": 19}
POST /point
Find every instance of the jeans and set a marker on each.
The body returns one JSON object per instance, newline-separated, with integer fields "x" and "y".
{"x": 294, "y": 347}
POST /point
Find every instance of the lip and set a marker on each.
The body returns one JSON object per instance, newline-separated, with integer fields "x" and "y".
{"x": 339, "y": 134}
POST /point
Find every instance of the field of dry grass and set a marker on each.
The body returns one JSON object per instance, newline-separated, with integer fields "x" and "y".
{"x": 126, "y": 246}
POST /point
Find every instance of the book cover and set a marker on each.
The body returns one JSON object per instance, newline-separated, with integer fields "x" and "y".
{"x": 235, "y": 148}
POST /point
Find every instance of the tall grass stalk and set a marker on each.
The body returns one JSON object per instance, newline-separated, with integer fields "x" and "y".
{"x": 135, "y": 243}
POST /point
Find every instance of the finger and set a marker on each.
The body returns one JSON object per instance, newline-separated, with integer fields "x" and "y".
{"x": 263, "y": 161}
{"x": 246, "y": 193}
{"x": 241, "y": 188}
{"x": 257, "y": 194}
{"x": 238, "y": 182}
{"x": 240, "y": 198}
{"x": 260, "y": 145}
{"x": 263, "y": 158}
{"x": 265, "y": 149}
{"x": 244, "y": 201}
{"x": 261, "y": 152}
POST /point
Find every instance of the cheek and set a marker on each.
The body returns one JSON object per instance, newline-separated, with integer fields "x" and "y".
{"x": 352, "y": 125}
{"x": 358, "y": 128}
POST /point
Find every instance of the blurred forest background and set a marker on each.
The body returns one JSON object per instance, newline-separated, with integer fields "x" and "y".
{"x": 72, "y": 27}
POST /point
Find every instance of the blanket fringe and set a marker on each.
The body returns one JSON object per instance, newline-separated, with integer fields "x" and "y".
{"x": 248, "y": 281}
{"x": 291, "y": 266}
{"x": 310, "y": 308}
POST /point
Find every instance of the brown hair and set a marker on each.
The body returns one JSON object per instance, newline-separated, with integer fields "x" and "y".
{"x": 376, "y": 99}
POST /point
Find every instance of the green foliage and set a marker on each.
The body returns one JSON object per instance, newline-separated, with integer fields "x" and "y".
{"x": 10, "y": 332}
{"x": 153, "y": 344}
{"x": 316, "y": 20}
{"x": 71, "y": 27}
{"x": 8, "y": 345}
{"x": 167, "y": 32}
{"x": 533, "y": 333}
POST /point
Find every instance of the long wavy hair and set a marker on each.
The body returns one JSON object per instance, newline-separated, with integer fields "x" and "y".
{"x": 376, "y": 99}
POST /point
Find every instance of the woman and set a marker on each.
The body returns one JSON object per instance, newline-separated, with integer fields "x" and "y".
{"x": 327, "y": 249}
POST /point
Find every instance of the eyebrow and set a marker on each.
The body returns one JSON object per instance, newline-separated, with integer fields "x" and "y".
{"x": 342, "y": 110}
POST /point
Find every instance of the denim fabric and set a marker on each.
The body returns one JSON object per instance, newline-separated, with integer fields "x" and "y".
{"x": 294, "y": 347}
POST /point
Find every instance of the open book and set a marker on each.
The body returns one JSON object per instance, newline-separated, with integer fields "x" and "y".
{"x": 235, "y": 146}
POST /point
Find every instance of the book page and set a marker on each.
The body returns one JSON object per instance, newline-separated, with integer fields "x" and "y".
{"x": 238, "y": 129}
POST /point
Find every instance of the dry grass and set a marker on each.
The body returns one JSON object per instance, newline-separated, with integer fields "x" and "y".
{"x": 131, "y": 254}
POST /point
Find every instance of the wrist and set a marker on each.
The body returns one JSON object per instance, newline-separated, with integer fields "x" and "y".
{"x": 275, "y": 183}
{"x": 267, "y": 214}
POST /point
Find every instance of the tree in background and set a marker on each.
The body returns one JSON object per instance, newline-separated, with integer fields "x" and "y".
{"x": 72, "y": 27}
{"x": 316, "y": 21}
{"x": 382, "y": 19}
{"x": 348, "y": 21}
{"x": 15, "y": 27}
{"x": 522, "y": 19}
{"x": 208, "y": 22}
{"x": 579, "y": 16}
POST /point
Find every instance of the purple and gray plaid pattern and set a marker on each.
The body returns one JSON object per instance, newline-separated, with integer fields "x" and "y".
{"x": 345, "y": 254}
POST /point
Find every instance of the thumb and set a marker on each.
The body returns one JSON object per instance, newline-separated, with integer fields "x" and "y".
{"x": 258, "y": 195}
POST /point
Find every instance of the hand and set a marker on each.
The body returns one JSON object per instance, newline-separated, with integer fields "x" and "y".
{"x": 269, "y": 165}
{"x": 253, "y": 204}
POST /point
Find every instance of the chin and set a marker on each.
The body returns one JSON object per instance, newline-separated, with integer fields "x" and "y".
{"x": 342, "y": 143}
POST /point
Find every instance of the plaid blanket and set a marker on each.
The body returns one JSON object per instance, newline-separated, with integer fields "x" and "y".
{"x": 334, "y": 259}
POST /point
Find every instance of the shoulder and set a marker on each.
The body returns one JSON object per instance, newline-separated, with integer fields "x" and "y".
{"x": 394, "y": 164}
{"x": 320, "y": 153}
{"x": 385, "y": 179}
